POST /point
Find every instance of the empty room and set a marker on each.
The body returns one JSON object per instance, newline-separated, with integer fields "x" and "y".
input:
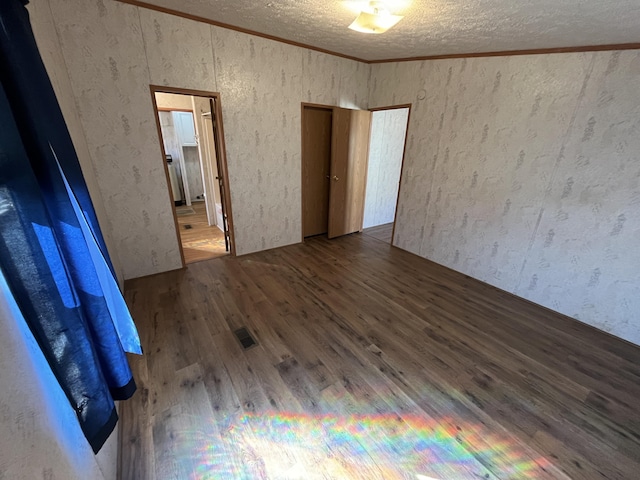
{"x": 426, "y": 214}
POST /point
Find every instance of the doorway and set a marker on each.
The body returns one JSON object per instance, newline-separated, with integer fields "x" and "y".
{"x": 191, "y": 137}
{"x": 386, "y": 155}
{"x": 335, "y": 145}
{"x": 316, "y": 169}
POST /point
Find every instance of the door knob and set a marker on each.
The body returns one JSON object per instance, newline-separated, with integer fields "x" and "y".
{"x": 334, "y": 178}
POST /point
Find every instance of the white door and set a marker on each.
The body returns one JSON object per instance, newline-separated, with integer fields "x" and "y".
{"x": 212, "y": 193}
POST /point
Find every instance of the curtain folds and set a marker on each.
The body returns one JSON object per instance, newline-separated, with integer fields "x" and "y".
{"x": 52, "y": 251}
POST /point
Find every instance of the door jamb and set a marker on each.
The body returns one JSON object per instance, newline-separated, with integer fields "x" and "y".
{"x": 223, "y": 157}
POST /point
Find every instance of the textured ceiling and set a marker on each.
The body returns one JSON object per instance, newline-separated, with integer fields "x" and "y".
{"x": 434, "y": 27}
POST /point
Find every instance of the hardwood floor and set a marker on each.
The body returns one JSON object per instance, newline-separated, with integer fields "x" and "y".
{"x": 200, "y": 241}
{"x": 371, "y": 363}
{"x": 381, "y": 232}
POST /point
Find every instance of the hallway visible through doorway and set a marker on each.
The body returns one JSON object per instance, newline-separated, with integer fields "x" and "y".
{"x": 386, "y": 155}
{"x": 200, "y": 241}
{"x": 191, "y": 137}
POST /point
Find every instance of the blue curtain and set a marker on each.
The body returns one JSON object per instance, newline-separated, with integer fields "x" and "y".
{"x": 52, "y": 251}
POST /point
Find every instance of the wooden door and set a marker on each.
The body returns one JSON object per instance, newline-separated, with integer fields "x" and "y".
{"x": 349, "y": 157}
{"x": 220, "y": 177}
{"x": 316, "y": 164}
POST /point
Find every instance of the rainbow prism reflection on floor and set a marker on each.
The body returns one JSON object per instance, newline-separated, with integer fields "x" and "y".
{"x": 299, "y": 446}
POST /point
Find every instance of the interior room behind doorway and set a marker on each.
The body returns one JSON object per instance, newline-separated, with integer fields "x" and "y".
{"x": 187, "y": 136}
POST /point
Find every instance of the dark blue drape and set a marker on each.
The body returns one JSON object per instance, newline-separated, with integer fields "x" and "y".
{"x": 52, "y": 252}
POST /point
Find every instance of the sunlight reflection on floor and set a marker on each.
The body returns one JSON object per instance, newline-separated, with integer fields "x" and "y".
{"x": 298, "y": 446}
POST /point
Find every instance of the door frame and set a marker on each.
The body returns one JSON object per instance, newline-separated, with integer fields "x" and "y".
{"x": 303, "y": 105}
{"x": 223, "y": 158}
{"x": 404, "y": 155}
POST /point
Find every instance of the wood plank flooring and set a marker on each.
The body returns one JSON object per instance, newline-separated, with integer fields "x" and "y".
{"x": 200, "y": 241}
{"x": 371, "y": 363}
{"x": 383, "y": 233}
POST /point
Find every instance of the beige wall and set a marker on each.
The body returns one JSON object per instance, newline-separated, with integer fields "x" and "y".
{"x": 261, "y": 83}
{"x": 523, "y": 172}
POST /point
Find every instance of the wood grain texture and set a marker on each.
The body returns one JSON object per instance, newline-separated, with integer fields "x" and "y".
{"x": 372, "y": 363}
{"x": 200, "y": 241}
{"x": 316, "y": 166}
{"x": 223, "y": 171}
{"x": 383, "y": 233}
{"x": 349, "y": 157}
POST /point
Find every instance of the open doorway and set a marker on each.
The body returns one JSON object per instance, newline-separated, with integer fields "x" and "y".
{"x": 317, "y": 124}
{"x": 192, "y": 142}
{"x": 335, "y": 143}
{"x": 351, "y": 167}
{"x": 386, "y": 153}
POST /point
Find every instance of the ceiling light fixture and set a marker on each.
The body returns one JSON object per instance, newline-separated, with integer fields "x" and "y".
{"x": 375, "y": 19}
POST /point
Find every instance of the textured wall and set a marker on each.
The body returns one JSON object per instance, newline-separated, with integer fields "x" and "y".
{"x": 386, "y": 148}
{"x": 114, "y": 51}
{"x": 523, "y": 172}
{"x": 262, "y": 84}
{"x": 105, "y": 55}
